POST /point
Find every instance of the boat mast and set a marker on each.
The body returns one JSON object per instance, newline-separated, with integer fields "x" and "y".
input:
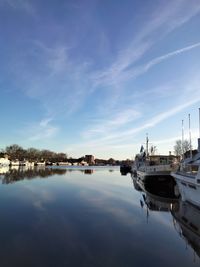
{"x": 199, "y": 122}
{"x": 199, "y": 133}
{"x": 147, "y": 144}
{"x": 182, "y": 140}
{"x": 190, "y": 137}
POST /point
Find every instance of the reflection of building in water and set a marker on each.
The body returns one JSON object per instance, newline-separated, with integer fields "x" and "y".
{"x": 90, "y": 159}
{"x": 88, "y": 171}
{"x": 187, "y": 224}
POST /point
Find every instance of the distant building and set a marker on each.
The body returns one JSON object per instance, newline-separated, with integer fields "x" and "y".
{"x": 111, "y": 161}
{"x": 89, "y": 159}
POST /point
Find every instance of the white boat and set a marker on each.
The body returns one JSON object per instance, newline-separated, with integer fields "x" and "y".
{"x": 188, "y": 178}
{"x": 146, "y": 165}
{"x": 15, "y": 163}
{"x": 29, "y": 164}
{"x": 188, "y": 175}
{"x": 64, "y": 164}
{"x": 4, "y": 162}
{"x": 41, "y": 163}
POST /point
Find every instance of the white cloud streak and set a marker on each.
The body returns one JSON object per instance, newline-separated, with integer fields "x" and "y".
{"x": 118, "y": 139}
{"x": 40, "y": 131}
{"x": 118, "y": 120}
{"x": 171, "y": 16}
{"x": 142, "y": 69}
{"x": 19, "y": 5}
{"x": 62, "y": 84}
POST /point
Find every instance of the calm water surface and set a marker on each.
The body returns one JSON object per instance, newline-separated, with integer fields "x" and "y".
{"x": 95, "y": 217}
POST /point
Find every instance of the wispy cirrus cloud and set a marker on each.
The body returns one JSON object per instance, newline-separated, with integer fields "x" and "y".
{"x": 51, "y": 78}
{"x": 172, "y": 15}
{"x": 146, "y": 67}
{"x": 118, "y": 139}
{"x": 64, "y": 76}
{"x": 50, "y": 74}
{"x": 40, "y": 131}
{"x": 24, "y": 5}
{"x": 116, "y": 121}
{"x": 154, "y": 120}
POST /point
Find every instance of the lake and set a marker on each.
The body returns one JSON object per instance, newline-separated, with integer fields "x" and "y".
{"x": 92, "y": 217}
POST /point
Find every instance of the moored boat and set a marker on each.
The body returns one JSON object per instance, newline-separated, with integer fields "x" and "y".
{"x": 188, "y": 176}
{"x": 4, "y": 162}
{"x": 146, "y": 165}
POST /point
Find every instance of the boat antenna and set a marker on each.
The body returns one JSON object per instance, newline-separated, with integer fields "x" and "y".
{"x": 182, "y": 139}
{"x": 190, "y": 137}
{"x": 199, "y": 133}
{"x": 199, "y": 122}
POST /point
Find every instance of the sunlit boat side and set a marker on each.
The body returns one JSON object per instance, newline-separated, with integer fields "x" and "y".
{"x": 188, "y": 175}
{"x": 188, "y": 178}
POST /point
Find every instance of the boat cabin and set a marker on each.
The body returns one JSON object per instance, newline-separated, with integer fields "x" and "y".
{"x": 163, "y": 159}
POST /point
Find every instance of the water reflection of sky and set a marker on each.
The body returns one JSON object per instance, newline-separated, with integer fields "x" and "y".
{"x": 85, "y": 220}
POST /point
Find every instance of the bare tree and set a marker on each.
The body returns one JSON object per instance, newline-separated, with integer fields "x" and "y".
{"x": 180, "y": 148}
{"x": 15, "y": 152}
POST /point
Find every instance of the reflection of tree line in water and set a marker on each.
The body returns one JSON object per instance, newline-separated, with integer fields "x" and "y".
{"x": 14, "y": 175}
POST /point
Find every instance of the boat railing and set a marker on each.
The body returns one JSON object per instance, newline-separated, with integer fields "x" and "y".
{"x": 159, "y": 168}
{"x": 190, "y": 174}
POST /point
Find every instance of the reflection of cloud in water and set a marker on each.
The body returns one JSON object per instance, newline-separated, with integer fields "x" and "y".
{"x": 96, "y": 217}
{"x": 39, "y": 205}
{"x": 45, "y": 197}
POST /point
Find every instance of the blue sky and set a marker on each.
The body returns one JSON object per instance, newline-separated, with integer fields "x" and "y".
{"x": 94, "y": 76}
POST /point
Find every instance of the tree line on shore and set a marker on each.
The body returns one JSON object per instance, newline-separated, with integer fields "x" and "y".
{"x": 16, "y": 152}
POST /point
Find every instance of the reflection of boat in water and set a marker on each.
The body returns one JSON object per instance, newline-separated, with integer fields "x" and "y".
{"x": 125, "y": 168}
{"x": 187, "y": 224}
{"x": 135, "y": 183}
{"x": 14, "y": 167}
{"x": 157, "y": 195}
{"x": 157, "y": 203}
{"x": 88, "y": 171}
{"x": 40, "y": 163}
{"x": 159, "y": 187}
{"x": 4, "y": 170}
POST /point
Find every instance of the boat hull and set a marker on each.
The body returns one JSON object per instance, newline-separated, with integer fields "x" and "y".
{"x": 188, "y": 188}
{"x": 159, "y": 174}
